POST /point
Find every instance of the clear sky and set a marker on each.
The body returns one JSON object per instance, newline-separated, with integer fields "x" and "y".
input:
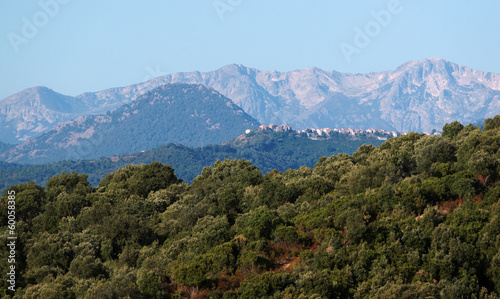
{"x": 75, "y": 46}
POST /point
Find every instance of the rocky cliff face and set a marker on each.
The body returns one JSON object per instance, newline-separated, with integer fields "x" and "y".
{"x": 417, "y": 96}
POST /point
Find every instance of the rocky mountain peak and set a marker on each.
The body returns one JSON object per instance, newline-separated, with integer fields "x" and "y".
{"x": 236, "y": 69}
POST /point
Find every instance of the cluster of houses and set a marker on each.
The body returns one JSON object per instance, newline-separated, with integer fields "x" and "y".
{"x": 325, "y": 133}
{"x": 434, "y": 133}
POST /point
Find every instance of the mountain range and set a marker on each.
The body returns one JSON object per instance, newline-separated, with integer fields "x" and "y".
{"x": 417, "y": 96}
{"x": 192, "y": 115}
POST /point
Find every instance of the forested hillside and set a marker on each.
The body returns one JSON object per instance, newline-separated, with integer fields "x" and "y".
{"x": 417, "y": 217}
{"x": 266, "y": 150}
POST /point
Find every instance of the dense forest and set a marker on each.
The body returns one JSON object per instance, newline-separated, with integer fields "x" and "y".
{"x": 417, "y": 217}
{"x": 266, "y": 150}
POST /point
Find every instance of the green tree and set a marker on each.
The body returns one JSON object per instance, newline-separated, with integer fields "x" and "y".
{"x": 450, "y": 131}
{"x": 492, "y": 123}
{"x": 29, "y": 201}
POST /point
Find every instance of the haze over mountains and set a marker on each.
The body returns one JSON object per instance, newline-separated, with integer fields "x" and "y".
{"x": 417, "y": 96}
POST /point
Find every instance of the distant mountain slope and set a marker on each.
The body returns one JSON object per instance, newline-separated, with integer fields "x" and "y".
{"x": 33, "y": 111}
{"x": 8, "y": 166}
{"x": 5, "y": 146}
{"x": 266, "y": 149}
{"x": 36, "y": 110}
{"x": 419, "y": 95}
{"x": 193, "y": 115}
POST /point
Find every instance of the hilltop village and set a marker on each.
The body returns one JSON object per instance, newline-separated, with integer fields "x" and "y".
{"x": 327, "y": 133}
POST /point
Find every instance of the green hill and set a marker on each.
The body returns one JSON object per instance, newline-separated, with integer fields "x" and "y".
{"x": 193, "y": 115}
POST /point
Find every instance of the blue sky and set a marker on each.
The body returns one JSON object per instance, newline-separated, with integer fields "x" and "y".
{"x": 76, "y": 46}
